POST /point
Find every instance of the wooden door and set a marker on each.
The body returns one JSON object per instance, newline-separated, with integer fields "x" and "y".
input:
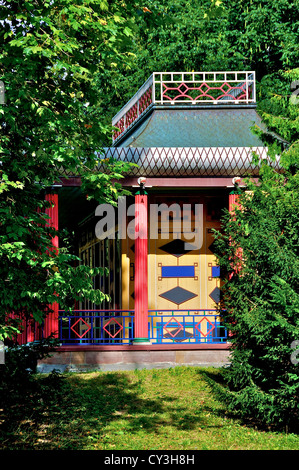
{"x": 183, "y": 276}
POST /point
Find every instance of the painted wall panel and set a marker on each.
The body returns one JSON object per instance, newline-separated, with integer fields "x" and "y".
{"x": 178, "y": 271}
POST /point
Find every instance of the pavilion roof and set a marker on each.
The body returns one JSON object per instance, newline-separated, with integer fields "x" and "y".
{"x": 190, "y": 109}
{"x": 228, "y": 126}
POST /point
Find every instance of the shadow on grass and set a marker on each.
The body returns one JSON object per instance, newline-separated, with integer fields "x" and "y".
{"x": 73, "y": 411}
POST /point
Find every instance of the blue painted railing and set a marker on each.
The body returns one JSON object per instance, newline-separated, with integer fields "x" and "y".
{"x": 164, "y": 327}
{"x": 186, "y": 326}
{"x": 96, "y": 327}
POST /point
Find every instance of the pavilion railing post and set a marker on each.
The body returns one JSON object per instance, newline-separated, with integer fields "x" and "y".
{"x": 51, "y": 320}
{"x": 141, "y": 267}
{"x": 233, "y": 204}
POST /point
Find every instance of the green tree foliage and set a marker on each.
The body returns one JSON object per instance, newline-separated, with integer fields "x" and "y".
{"x": 55, "y": 62}
{"x": 264, "y": 34}
{"x": 260, "y": 302}
{"x": 278, "y": 107}
{"x": 208, "y": 35}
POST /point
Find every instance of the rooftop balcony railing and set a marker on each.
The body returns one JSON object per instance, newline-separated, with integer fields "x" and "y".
{"x": 186, "y": 88}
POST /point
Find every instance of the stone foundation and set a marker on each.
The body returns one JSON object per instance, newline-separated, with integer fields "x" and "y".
{"x": 109, "y": 358}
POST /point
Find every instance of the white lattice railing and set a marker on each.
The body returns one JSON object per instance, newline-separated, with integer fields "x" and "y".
{"x": 183, "y": 88}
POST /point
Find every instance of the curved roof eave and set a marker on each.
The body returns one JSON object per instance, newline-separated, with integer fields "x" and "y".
{"x": 196, "y": 126}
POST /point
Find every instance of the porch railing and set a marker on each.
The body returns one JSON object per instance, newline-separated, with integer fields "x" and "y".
{"x": 186, "y": 326}
{"x": 164, "y": 327}
{"x": 96, "y": 327}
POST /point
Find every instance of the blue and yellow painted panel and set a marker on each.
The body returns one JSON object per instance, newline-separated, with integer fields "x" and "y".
{"x": 181, "y": 277}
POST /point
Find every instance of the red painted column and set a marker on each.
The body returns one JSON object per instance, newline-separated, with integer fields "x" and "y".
{"x": 52, "y": 213}
{"x": 141, "y": 276}
{"x": 233, "y": 204}
{"x": 51, "y": 320}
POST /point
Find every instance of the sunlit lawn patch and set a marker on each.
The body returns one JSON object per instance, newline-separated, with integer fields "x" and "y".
{"x": 131, "y": 410}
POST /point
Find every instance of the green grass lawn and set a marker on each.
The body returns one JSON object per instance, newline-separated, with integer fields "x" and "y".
{"x": 160, "y": 409}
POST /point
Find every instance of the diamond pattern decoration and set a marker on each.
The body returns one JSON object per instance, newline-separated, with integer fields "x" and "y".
{"x": 215, "y": 295}
{"x": 159, "y": 161}
{"x": 178, "y": 335}
{"x": 183, "y": 88}
{"x": 225, "y": 87}
{"x": 177, "y": 330}
{"x": 205, "y": 90}
{"x": 176, "y": 248}
{"x": 118, "y": 331}
{"x": 77, "y": 323}
{"x": 209, "y": 330}
{"x": 178, "y": 295}
{"x": 134, "y": 112}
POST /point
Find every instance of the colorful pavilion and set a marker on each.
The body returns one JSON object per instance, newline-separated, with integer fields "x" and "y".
{"x": 190, "y": 136}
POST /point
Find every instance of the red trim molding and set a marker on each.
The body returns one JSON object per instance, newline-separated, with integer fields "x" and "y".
{"x": 200, "y": 182}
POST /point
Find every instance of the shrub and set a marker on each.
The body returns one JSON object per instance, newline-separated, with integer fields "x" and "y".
{"x": 21, "y": 362}
{"x": 260, "y": 302}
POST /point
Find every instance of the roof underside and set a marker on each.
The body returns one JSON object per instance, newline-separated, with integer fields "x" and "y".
{"x": 218, "y": 126}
